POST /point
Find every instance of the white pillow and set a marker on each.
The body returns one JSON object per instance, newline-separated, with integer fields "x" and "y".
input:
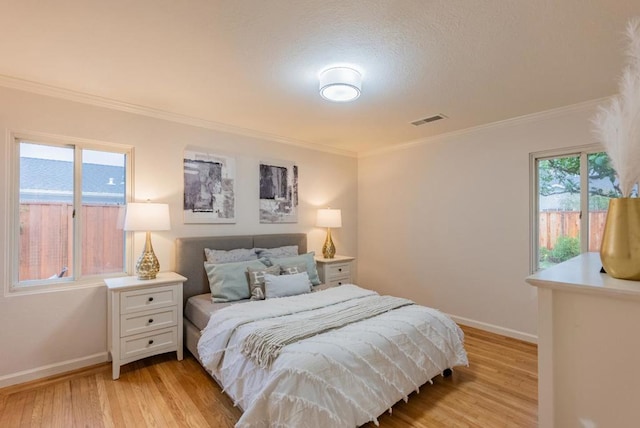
{"x": 286, "y": 251}
{"x": 286, "y": 285}
{"x": 231, "y": 256}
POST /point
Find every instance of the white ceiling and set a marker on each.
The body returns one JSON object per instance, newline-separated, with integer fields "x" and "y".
{"x": 253, "y": 64}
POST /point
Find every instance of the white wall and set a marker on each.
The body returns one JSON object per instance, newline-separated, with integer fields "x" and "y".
{"x": 446, "y": 222}
{"x": 48, "y": 332}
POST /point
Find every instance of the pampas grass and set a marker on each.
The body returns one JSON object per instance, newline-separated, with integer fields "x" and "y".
{"x": 617, "y": 125}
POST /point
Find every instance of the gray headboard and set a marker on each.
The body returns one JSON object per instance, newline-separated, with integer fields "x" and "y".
{"x": 190, "y": 254}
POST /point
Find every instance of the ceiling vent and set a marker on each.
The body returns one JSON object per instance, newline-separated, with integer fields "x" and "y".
{"x": 429, "y": 119}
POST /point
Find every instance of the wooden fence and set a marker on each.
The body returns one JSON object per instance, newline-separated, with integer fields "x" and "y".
{"x": 46, "y": 240}
{"x": 554, "y": 224}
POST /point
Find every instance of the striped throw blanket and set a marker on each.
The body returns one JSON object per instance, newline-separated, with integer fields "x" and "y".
{"x": 264, "y": 344}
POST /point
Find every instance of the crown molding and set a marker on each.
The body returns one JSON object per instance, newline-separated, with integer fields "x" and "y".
{"x": 94, "y": 100}
{"x": 546, "y": 114}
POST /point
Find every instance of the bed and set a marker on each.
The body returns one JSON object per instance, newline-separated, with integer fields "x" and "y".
{"x": 344, "y": 375}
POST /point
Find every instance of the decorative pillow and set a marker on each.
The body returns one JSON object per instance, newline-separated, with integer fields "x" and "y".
{"x": 286, "y": 285}
{"x": 291, "y": 270}
{"x": 256, "y": 280}
{"x": 274, "y": 253}
{"x": 228, "y": 281}
{"x": 231, "y": 256}
{"x": 307, "y": 259}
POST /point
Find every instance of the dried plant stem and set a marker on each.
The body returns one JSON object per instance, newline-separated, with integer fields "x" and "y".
{"x": 617, "y": 125}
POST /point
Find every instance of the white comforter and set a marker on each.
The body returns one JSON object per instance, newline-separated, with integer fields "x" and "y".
{"x": 341, "y": 378}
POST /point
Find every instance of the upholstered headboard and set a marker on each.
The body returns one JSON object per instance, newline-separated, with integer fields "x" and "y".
{"x": 190, "y": 254}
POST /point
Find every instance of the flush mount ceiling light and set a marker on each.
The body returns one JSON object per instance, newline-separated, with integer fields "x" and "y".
{"x": 340, "y": 84}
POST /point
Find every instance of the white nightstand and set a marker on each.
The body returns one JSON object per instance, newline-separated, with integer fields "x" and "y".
{"x": 145, "y": 317}
{"x": 335, "y": 271}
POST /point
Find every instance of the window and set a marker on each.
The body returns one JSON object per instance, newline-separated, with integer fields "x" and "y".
{"x": 67, "y": 222}
{"x": 570, "y": 201}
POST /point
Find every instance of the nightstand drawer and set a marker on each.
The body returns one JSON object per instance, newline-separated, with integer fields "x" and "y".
{"x": 140, "y": 300}
{"x": 140, "y": 322}
{"x": 135, "y": 346}
{"x": 334, "y": 282}
{"x": 338, "y": 270}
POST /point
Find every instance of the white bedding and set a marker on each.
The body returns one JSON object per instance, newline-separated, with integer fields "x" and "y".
{"x": 341, "y": 378}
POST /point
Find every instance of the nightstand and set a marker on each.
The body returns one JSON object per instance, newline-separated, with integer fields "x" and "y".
{"x": 144, "y": 317}
{"x": 335, "y": 271}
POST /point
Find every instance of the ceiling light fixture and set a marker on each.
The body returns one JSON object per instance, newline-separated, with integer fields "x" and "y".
{"x": 340, "y": 84}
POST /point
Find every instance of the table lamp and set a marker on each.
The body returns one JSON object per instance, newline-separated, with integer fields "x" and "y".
{"x": 329, "y": 218}
{"x": 147, "y": 217}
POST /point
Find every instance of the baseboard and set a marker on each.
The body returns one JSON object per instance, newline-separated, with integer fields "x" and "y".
{"x": 496, "y": 329}
{"x": 52, "y": 369}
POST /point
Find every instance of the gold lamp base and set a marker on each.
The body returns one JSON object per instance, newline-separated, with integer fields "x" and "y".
{"x": 328, "y": 249}
{"x": 147, "y": 266}
{"x": 620, "y": 250}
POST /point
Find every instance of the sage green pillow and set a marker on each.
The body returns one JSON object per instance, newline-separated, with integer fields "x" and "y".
{"x": 228, "y": 281}
{"x": 308, "y": 259}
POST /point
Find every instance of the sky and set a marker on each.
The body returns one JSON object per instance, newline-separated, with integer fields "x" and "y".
{"x": 39, "y": 151}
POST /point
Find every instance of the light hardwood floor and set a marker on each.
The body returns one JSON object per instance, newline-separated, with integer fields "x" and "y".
{"x": 498, "y": 389}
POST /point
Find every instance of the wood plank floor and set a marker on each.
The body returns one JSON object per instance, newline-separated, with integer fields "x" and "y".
{"x": 498, "y": 389}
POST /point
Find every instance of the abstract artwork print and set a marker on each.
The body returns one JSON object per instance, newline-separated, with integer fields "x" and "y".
{"x": 209, "y": 188}
{"x": 278, "y": 192}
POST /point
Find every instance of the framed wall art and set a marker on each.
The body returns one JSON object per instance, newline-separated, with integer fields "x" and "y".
{"x": 278, "y": 192}
{"x": 209, "y": 188}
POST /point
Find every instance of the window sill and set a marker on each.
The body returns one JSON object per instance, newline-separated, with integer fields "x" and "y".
{"x": 52, "y": 287}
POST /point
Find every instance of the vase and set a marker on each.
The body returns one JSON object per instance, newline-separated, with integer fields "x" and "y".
{"x": 620, "y": 250}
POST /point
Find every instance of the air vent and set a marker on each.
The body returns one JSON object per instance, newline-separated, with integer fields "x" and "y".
{"x": 429, "y": 119}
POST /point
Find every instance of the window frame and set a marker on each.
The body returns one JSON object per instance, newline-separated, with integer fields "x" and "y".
{"x": 76, "y": 281}
{"x": 581, "y": 151}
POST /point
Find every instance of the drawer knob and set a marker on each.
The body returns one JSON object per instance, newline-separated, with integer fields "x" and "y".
{"x": 339, "y": 269}
{"x": 150, "y": 320}
{"x": 151, "y": 342}
{"x": 339, "y": 283}
{"x": 150, "y": 299}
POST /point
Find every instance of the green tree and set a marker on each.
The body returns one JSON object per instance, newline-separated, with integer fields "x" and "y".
{"x": 562, "y": 175}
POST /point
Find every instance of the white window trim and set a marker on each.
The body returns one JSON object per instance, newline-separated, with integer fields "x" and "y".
{"x": 583, "y": 152}
{"x": 12, "y": 256}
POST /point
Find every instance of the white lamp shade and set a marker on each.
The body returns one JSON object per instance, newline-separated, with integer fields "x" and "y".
{"x": 329, "y": 218}
{"x": 146, "y": 216}
{"x": 340, "y": 84}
